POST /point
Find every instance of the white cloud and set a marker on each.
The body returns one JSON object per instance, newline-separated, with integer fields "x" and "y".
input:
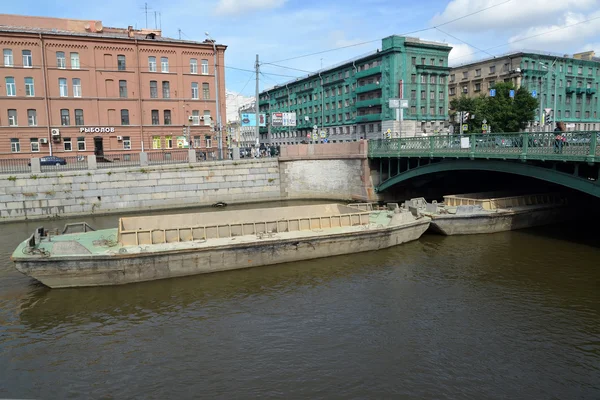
{"x": 514, "y": 14}
{"x": 233, "y": 7}
{"x": 556, "y": 37}
{"x": 460, "y": 54}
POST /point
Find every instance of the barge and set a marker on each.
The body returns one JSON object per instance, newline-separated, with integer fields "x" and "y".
{"x": 490, "y": 212}
{"x": 166, "y": 246}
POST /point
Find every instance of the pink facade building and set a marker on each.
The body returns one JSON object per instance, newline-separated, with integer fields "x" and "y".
{"x": 73, "y": 87}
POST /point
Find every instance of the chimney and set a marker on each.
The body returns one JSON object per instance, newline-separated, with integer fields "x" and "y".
{"x": 130, "y": 31}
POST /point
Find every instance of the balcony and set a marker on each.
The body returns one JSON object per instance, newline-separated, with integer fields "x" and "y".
{"x": 368, "y": 103}
{"x": 570, "y": 89}
{"x": 368, "y": 72}
{"x": 368, "y": 118}
{"x": 579, "y": 91}
{"x": 590, "y": 91}
{"x": 368, "y": 88}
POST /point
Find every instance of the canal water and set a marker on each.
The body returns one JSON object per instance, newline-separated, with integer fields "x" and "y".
{"x": 511, "y": 315}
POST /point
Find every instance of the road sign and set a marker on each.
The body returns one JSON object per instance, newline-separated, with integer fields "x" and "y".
{"x": 465, "y": 128}
{"x": 394, "y": 103}
{"x": 323, "y": 134}
{"x": 534, "y": 93}
{"x": 484, "y": 127}
{"x": 511, "y": 93}
{"x": 315, "y": 136}
{"x": 389, "y": 131}
{"x": 492, "y": 92}
{"x": 484, "y": 121}
{"x": 315, "y": 127}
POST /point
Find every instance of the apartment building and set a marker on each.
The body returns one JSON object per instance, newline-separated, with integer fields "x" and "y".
{"x": 569, "y": 82}
{"x": 74, "y": 87}
{"x": 350, "y": 101}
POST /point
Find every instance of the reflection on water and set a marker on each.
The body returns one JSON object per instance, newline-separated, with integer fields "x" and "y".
{"x": 509, "y": 315}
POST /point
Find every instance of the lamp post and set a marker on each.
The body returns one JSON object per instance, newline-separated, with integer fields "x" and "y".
{"x": 551, "y": 68}
{"x": 219, "y": 135}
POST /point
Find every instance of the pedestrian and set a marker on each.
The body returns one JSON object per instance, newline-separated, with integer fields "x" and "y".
{"x": 559, "y": 137}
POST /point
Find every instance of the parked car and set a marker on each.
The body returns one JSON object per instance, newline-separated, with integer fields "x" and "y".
{"x": 52, "y": 160}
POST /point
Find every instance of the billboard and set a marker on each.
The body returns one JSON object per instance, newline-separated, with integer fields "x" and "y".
{"x": 283, "y": 119}
{"x": 249, "y": 119}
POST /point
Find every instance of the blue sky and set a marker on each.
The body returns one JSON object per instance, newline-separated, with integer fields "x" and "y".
{"x": 279, "y": 29}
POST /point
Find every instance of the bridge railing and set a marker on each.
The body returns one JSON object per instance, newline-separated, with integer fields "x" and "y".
{"x": 573, "y": 146}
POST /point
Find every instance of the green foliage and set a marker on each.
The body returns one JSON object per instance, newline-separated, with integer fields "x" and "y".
{"x": 11, "y": 178}
{"x": 33, "y": 177}
{"x": 144, "y": 171}
{"x": 503, "y": 113}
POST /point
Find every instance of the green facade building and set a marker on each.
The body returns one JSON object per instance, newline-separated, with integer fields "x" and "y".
{"x": 566, "y": 86}
{"x": 350, "y": 101}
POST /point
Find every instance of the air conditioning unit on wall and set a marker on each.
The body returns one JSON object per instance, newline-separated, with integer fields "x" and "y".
{"x": 44, "y": 141}
{"x": 119, "y": 138}
{"x": 55, "y": 132}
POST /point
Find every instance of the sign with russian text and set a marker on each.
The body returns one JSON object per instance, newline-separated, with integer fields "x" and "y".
{"x": 283, "y": 119}
{"x": 97, "y": 129}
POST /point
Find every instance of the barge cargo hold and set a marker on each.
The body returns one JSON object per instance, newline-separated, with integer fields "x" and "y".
{"x": 166, "y": 246}
{"x": 490, "y": 212}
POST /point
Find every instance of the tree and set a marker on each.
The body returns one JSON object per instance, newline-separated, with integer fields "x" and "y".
{"x": 474, "y": 106}
{"x": 506, "y": 114}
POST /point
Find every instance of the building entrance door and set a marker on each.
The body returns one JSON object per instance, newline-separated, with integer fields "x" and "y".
{"x": 98, "y": 146}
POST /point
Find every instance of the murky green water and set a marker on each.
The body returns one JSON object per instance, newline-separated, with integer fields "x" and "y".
{"x": 506, "y": 316}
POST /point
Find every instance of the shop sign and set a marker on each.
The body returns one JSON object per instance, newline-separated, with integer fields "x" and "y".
{"x": 97, "y": 129}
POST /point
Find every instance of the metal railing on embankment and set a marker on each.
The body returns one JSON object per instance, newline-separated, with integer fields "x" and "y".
{"x": 116, "y": 160}
{"x": 15, "y": 165}
{"x": 572, "y": 146}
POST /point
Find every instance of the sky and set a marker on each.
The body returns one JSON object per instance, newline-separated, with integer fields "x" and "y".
{"x": 280, "y": 29}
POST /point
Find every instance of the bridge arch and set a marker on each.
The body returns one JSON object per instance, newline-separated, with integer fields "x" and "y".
{"x": 517, "y": 168}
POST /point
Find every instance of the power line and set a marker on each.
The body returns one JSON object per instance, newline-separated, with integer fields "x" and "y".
{"x": 529, "y": 37}
{"x": 290, "y": 68}
{"x": 402, "y": 34}
{"x": 460, "y": 40}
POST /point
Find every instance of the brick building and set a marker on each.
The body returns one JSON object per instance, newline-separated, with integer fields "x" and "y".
{"x": 74, "y": 87}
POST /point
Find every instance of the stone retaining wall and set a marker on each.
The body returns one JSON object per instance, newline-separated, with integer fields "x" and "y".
{"x": 70, "y": 193}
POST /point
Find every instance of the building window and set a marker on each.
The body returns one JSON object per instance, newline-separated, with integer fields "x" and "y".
{"x": 67, "y": 144}
{"x": 570, "y": 69}
{"x": 423, "y": 95}
{"x": 166, "y": 90}
{"x": 153, "y": 89}
{"x": 204, "y": 67}
{"x": 27, "y": 59}
{"x": 12, "y": 118}
{"x": 15, "y": 146}
{"x": 74, "y": 60}
{"x": 61, "y": 61}
{"x": 152, "y": 64}
{"x": 493, "y": 69}
{"x": 413, "y": 60}
{"x": 465, "y": 74}
{"x": 197, "y": 142}
{"x": 195, "y": 117}
{"x": 452, "y": 91}
{"x": 79, "y": 117}
{"x": 452, "y": 77}
{"x": 577, "y": 114}
{"x": 29, "y": 87}
{"x": 431, "y": 111}
{"x": 65, "y": 119}
{"x": 580, "y": 70}
{"x": 11, "y": 89}
{"x": 155, "y": 119}
{"x": 207, "y": 117}
{"x": 124, "y": 117}
{"x": 123, "y": 89}
{"x": 32, "y": 117}
{"x": 193, "y": 66}
{"x": 62, "y": 87}
{"x": 195, "y": 94}
{"x": 432, "y": 95}
{"x": 208, "y": 141}
{"x": 205, "y": 91}
{"x": 8, "y": 58}
{"x": 76, "y": 87}
{"x": 35, "y": 145}
{"x": 478, "y": 87}
{"x": 567, "y": 114}
{"x": 167, "y": 117}
{"x": 126, "y": 143}
{"x": 168, "y": 142}
{"x": 164, "y": 64}
{"x": 81, "y": 143}
{"x": 156, "y": 142}
{"x": 121, "y": 66}
{"x": 478, "y": 72}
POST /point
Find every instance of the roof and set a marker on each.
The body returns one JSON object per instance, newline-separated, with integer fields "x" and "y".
{"x": 103, "y": 35}
{"x": 522, "y": 52}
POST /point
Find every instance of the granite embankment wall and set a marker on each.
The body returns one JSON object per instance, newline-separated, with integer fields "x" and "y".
{"x": 72, "y": 193}
{"x": 326, "y": 171}
{"x": 338, "y": 171}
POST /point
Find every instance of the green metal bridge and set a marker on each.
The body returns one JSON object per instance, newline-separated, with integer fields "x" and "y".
{"x": 573, "y": 162}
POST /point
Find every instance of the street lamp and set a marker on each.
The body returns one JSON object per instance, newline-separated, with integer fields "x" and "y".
{"x": 550, "y": 68}
{"x": 219, "y": 135}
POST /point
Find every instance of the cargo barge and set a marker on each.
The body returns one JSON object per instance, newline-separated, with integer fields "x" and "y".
{"x": 490, "y": 212}
{"x": 166, "y": 246}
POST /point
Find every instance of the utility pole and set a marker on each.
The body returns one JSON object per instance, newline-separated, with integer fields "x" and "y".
{"x": 155, "y": 21}
{"x": 179, "y": 31}
{"x": 460, "y": 118}
{"x": 257, "y": 66}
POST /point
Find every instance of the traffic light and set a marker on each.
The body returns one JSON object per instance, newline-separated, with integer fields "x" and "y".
{"x": 184, "y": 130}
{"x": 228, "y": 140}
{"x": 549, "y": 116}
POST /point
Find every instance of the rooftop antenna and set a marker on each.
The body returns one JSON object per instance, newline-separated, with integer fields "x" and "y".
{"x": 155, "y": 23}
{"x": 146, "y": 8}
{"x": 159, "y": 21}
{"x": 179, "y": 30}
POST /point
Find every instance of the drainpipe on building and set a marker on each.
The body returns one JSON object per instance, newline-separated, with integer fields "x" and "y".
{"x": 47, "y": 97}
{"x": 322, "y": 104}
{"x": 288, "y": 104}
{"x": 137, "y": 55}
{"x": 355, "y": 99}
